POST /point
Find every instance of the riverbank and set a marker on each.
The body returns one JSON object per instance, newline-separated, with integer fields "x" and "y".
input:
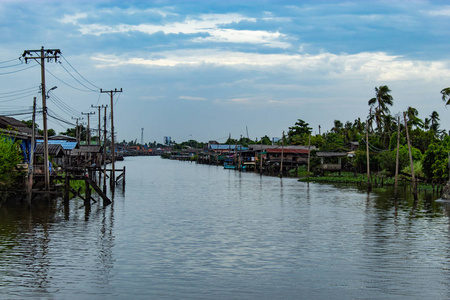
{"x": 378, "y": 181}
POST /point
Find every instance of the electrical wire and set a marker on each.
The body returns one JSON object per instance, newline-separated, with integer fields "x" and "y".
{"x": 79, "y": 73}
{"x": 63, "y": 106}
{"x": 62, "y": 81}
{"x": 13, "y": 92}
{"x": 6, "y": 73}
{"x": 10, "y": 60}
{"x": 117, "y": 100}
{"x": 92, "y": 90}
{"x": 10, "y": 66}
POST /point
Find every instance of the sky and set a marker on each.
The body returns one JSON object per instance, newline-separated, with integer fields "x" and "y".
{"x": 203, "y": 70}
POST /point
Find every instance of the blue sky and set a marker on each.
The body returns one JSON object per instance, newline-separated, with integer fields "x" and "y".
{"x": 205, "y": 69}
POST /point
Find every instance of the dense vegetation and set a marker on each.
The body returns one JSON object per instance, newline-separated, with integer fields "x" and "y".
{"x": 10, "y": 157}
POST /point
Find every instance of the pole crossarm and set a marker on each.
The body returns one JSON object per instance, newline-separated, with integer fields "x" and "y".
{"x": 42, "y": 53}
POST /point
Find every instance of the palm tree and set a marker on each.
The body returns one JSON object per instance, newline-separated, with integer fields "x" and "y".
{"x": 413, "y": 114}
{"x": 434, "y": 119}
{"x": 380, "y": 103}
{"x": 446, "y": 95}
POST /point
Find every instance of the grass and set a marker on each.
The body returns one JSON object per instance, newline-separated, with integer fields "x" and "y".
{"x": 378, "y": 181}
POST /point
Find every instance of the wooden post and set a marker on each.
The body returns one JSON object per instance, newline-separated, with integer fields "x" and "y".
{"x": 104, "y": 151}
{"x": 66, "y": 187}
{"x": 123, "y": 180}
{"x": 282, "y": 153}
{"x": 369, "y": 183}
{"x": 413, "y": 177}
{"x": 87, "y": 200}
{"x": 309, "y": 155}
{"x": 261, "y": 159}
{"x": 31, "y": 165}
{"x": 397, "y": 158}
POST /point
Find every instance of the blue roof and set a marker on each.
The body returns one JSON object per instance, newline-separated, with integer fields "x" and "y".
{"x": 226, "y": 147}
{"x": 67, "y": 145}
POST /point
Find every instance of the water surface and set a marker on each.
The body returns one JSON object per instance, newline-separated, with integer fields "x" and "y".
{"x": 187, "y": 231}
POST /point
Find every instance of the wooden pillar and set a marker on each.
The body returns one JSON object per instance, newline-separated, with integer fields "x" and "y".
{"x": 66, "y": 187}
{"x": 123, "y": 180}
{"x": 413, "y": 177}
{"x": 397, "y": 158}
{"x": 87, "y": 200}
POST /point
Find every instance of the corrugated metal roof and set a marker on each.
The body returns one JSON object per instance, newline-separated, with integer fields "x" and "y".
{"x": 67, "y": 145}
{"x": 331, "y": 154}
{"x": 226, "y": 147}
{"x": 53, "y": 150}
{"x": 287, "y": 151}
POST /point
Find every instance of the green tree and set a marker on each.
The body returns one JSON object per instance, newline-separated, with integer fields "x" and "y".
{"x": 9, "y": 158}
{"x": 435, "y": 160}
{"x": 380, "y": 104}
{"x": 299, "y": 133}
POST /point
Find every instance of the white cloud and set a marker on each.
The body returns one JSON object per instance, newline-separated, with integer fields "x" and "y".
{"x": 441, "y": 12}
{"x": 192, "y": 98}
{"x": 73, "y": 19}
{"x": 211, "y": 24}
{"x": 377, "y": 66}
{"x": 271, "y": 39}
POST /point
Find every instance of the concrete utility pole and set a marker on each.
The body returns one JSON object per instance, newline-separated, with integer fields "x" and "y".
{"x": 113, "y": 154}
{"x": 42, "y": 55}
{"x": 88, "y": 132}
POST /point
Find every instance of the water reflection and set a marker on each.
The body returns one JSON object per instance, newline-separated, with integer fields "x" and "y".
{"x": 49, "y": 247}
{"x": 182, "y": 230}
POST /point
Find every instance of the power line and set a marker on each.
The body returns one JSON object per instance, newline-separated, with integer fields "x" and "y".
{"x": 92, "y": 90}
{"x": 10, "y": 60}
{"x": 79, "y": 73}
{"x": 13, "y": 92}
{"x": 6, "y": 73}
{"x": 63, "y": 106}
{"x": 62, "y": 81}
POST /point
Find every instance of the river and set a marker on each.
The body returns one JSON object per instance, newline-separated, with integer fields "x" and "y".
{"x": 186, "y": 231}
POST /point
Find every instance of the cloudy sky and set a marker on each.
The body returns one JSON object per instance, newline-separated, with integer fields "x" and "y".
{"x": 205, "y": 69}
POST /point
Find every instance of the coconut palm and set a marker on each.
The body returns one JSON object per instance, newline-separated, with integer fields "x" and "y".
{"x": 446, "y": 95}
{"x": 434, "y": 119}
{"x": 380, "y": 104}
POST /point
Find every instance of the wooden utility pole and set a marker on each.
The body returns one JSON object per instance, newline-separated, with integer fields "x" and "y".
{"x": 413, "y": 177}
{"x": 369, "y": 183}
{"x": 309, "y": 155}
{"x": 31, "y": 165}
{"x": 88, "y": 131}
{"x": 42, "y": 55}
{"x": 261, "y": 158}
{"x": 77, "y": 131}
{"x": 282, "y": 153}
{"x": 104, "y": 152}
{"x": 397, "y": 157}
{"x": 113, "y": 154}
{"x": 99, "y": 123}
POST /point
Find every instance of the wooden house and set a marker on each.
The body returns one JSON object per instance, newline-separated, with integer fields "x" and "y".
{"x": 328, "y": 161}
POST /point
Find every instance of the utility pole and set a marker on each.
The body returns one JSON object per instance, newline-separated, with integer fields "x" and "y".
{"x": 88, "y": 132}
{"x": 43, "y": 54}
{"x": 282, "y": 154}
{"x": 413, "y": 177}
{"x": 77, "y": 130}
{"x": 113, "y": 154}
{"x": 99, "y": 122}
{"x": 104, "y": 151}
{"x": 31, "y": 165}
